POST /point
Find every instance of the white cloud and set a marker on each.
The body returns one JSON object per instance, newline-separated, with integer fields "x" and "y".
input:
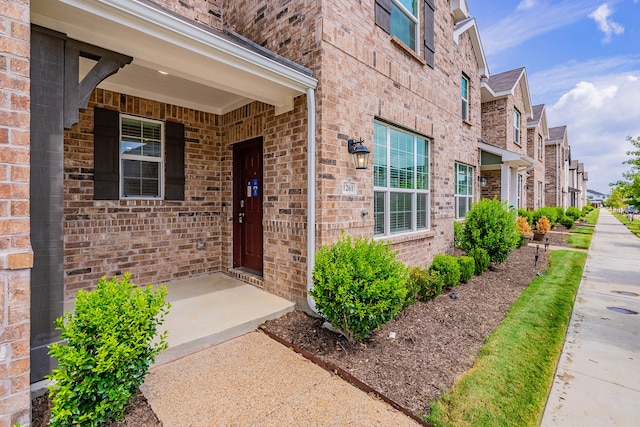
{"x": 607, "y": 26}
{"x": 600, "y": 113}
{"x": 632, "y": 78}
{"x": 526, "y": 4}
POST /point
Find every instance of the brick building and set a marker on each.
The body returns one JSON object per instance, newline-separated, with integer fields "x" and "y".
{"x": 176, "y": 139}
{"x": 506, "y": 110}
{"x": 557, "y": 167}
{"x": 537, "y": 134}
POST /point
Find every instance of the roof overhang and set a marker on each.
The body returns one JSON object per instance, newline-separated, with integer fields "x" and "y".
{"x": 459, "y": 10}
{"x": 206, "y": 70}
{"x": 471, "y": 26}
{"x": 511, "y": 158}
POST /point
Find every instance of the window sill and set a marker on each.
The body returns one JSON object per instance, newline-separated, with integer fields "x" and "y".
{"x": 408, "y": 237}
{"x": 412, "y": 53}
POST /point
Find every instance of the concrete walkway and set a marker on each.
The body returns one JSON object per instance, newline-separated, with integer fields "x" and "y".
{"x": 255, "y": 381}
{"x": 598, "y": 377}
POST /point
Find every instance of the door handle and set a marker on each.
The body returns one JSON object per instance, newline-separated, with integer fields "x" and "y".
{"x": 240, "y": 217}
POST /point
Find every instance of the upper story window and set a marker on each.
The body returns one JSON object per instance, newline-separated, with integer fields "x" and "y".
{"x": 141, "y": 159}
{"x": 401, "y": 181}
{"x": 402, "y": 18}
{"x": 464, "y": 189}
{"x": 465, "y": 97}
{"x": 516, "y": 125}
{"x": 404, "y": 21}
{"x": 540, "y": 145}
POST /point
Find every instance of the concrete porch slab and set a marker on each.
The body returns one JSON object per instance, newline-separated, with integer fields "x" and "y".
{"x": 209, "y": 310}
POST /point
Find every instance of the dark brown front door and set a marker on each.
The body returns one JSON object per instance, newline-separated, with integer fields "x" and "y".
{"x": 247, "y": 205}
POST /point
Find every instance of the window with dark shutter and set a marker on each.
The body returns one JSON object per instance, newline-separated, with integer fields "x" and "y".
{"x": 106, "y": 143}
{"x": 383, "y": 15}
{"x": 429, "y": 32}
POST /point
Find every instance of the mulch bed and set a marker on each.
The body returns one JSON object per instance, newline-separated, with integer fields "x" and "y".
{"x": 435, "y": 341}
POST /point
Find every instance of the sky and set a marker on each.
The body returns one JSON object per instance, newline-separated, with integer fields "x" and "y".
{"x": 582, "y": 60}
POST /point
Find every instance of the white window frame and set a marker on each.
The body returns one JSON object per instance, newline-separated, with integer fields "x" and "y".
{"x": 465, "y": 100}
{"x": 539, "y": 147}
{"x": 540, "y": 193}
{"x": 414, "y": 18}
{"x": 519, "y": 192}
{"x": 516, "y": 126}
{"x": 388, "y": 190}
{"x": 151, "y": 159}
{"x": 467, "y": 198}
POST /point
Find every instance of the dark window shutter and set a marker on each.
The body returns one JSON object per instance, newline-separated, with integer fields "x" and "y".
{"x": 174, "y": 161}
{"x": 106, "y": 146}
{"x": 383, "y": 15}
{"x": 429, "y": 32}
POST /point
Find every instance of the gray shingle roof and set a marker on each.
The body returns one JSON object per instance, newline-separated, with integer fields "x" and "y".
{"x": 506, "y": 81}
{"x": 557, "y": 133}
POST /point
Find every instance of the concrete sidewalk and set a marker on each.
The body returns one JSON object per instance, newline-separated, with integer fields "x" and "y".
{"x": 598, "y": 377}
{"x": 255, "y": 381}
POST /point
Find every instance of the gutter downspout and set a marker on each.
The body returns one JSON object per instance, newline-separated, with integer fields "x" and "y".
{"x": 311, "y": 193}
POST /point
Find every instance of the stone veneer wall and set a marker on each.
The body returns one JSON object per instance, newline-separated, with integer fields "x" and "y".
{"x": 364, "y": 76}
{"x": 16, "y": 256}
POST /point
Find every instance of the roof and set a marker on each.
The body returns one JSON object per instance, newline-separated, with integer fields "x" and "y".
{"x": 537, "y": 114}
{"x": 573, "y": 164}
{"x": 557, "y": 133}
{"x": 469, "y": 25}
{"x": 504, "y": 84}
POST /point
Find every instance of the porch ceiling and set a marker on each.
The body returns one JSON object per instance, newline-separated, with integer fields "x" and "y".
{"x": 206, "y": 69}
{"x": 511, "y": 158}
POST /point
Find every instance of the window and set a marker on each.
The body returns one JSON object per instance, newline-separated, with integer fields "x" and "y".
{"x": 401, "y": 18}
{"x": 464, "y": 189}
{"x": 518, "y": 204}
{"x": 137, "y": 158}
{"x": 465, "y": 97}
{"x": 401, "y": 181}
{"x": 540, "y": 146}
{"x": 140, "y": 158}
{"x": 540, "y": 193}
{"x": 516, "y": 126}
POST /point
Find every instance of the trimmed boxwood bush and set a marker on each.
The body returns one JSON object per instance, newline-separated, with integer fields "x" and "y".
{"x": 573, "y": 213}
{"x": 467, "y": 268}
{"x": 426, "y": 284}
{"x": 550, "y": 212}
{"x": 448, "y": 267}
{"x": 109, "y": 343}
{"x": 567, "y": 221}
{"x": 358, "y": 285}
{"x": 491, "y": 225}
{"x": 481, "y": 260}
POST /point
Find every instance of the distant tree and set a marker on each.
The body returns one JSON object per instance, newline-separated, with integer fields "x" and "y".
{"x": 629, "y": 186}
{"x": 616, "y": 199}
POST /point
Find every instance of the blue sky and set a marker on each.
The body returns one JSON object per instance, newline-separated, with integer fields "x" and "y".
{"x": 583, "y": 62}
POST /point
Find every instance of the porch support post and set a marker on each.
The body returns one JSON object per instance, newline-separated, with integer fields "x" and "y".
{"x": 311, "y": 193}
{"x": 505, "y": 181}
{"x": 513, "y": 200}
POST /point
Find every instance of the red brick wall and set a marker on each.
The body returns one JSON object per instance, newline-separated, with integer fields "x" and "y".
{"x": 538, "y": 173}
{"x": 362, "y": 76}
{"x": 16, "y": 257}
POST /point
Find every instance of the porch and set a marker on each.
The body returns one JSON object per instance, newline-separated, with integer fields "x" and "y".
{"x": 211, "y": 309}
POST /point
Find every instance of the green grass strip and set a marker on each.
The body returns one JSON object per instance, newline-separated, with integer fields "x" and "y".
{"x": 511, "y": 378}
{"x": 592, "y": 217}
{"x": 582, "y": 230}
{"x": 579, "y": 241}
{"x": 634, "y": 226}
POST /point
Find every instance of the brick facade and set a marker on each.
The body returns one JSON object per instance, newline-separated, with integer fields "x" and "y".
{"x": 536, "y": 180}
{"x": 16, "y": 257}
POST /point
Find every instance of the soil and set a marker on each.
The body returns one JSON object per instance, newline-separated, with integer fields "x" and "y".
{"x": 435, "y": 341}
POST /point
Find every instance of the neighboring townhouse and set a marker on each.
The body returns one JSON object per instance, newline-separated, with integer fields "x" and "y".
{"x": 572, "y": 183}
{"x": 504, "y": 162}
{"x": 537, "y": 134}
{"x": 557, "y": 167}
{"x": 583, "y": 178}
{"x": 596, "y": 198}
{"x": 176, "y": 139}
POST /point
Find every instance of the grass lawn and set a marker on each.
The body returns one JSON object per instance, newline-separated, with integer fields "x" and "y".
{"x": 511, "y": 378}
{"x": 634, "y": 226}
{"x": 579, "y": 241}
{"x": 582, "y": 230}
{"x": 592, "y": 217}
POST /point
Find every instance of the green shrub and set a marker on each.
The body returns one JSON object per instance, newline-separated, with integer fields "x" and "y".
{"x": 481, "y": 260}
{"x": 567, "y": 221}
{"x": 447, "y": 266}
{"x": 358, "y": 285}
{"x": 490, "y": 225}
{"x": 467, "y": 268}
{"x": 573, "y": 212}
{"x": 110, "y": 342}
{"x": 457, "y": 233}
{"x": 427, "y": 283}
{"x": 587, "y": 208}
{"x": 550, "y": 212}
{"x": 559, "y": 214}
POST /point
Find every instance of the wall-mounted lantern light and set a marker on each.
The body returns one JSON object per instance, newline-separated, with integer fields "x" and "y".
{"x": 360, "y": 153}
{"x": 483, "y": 181}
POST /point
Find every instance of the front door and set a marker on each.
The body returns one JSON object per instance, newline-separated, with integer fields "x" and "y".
{"x": 247, "y": 205}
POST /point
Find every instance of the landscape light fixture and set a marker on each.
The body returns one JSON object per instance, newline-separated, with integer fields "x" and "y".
{"x": 546, "y": 244}
{"x": 359, "y": 151}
